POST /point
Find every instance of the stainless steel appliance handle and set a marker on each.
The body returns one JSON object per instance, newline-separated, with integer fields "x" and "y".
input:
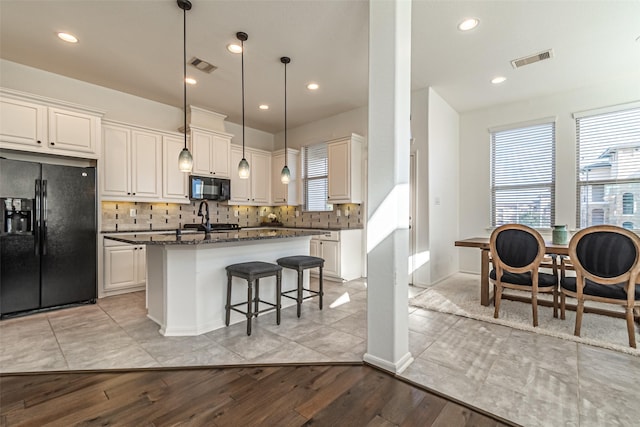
{"x": 44, "y": 217}
{"x": 36, "y": 222}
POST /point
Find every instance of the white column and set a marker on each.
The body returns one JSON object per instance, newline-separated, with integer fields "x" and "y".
{"x": 388, "y": 184}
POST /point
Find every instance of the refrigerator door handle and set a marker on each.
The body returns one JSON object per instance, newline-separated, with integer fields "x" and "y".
{"x": 36, "y": 222}
{"x": 44, "y": 217}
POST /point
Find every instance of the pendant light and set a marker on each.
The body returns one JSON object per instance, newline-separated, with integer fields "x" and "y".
{"x": 285, "y": 175}
{"x": 185, "y": 160}
{"x": 243, "y": 166}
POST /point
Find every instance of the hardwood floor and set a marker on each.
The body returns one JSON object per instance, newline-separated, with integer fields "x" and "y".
{"x": 282, "y": 395}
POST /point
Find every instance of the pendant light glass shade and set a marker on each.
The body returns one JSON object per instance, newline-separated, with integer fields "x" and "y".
{"x": 185, "y": 160}
{"x": 243, "y": 167}
{"x": 285, "y": 175}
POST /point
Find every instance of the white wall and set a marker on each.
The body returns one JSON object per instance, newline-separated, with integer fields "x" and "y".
{"x": 443, "y": 187}
{"x": 117, "y": 105}
{"x": 475, "y": 198}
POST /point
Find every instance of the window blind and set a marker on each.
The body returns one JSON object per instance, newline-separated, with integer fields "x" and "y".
{"x": 523, "y": 176}
{"x": 315, "y": 183}
{"x": 608, "y": 172}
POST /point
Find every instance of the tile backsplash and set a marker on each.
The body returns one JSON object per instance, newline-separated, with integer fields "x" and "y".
{"x": 117, "y": 216}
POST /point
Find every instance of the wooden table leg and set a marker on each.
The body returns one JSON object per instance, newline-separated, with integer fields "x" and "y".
{"x": 484, "y": 277}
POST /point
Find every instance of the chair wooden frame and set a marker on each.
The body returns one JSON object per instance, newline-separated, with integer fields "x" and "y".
{"x": 631, "y": 277}
{"x": 533, "y": 267}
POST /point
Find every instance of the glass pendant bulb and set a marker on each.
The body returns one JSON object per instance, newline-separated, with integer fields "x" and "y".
{"x": 185, "y": 161}
{"x": 243, "y": 169}
{"x": 285, "y": 175}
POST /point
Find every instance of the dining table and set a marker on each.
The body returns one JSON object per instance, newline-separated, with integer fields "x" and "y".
{"x": 482, "y": 243}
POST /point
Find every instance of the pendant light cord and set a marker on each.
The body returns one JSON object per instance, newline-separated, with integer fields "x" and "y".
{"x": 242, "y": 46}
{"x": 285, "y": 114}
{"x": 184, "y": 75}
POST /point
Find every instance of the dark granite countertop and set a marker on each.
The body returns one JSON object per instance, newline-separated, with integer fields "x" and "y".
{"x": 200, "y": 238}
{"x": 257, "y": 227}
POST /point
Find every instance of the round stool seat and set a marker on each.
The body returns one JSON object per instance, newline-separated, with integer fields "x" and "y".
{"x": 301, "y": 261}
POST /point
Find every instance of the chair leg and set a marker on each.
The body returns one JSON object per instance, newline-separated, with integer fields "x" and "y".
{"x": 320, "y": 289}
{"x": 227, "y": 307}
{"x": 299, "y": 300}
{"x": 555, "y": 302}
{"x": 562, "y": 305}
{"x": 534, "y": 308}
{"x": 249, "y": 302}
{"x": 497, "y": 297}
{"x": 630, "y": 327}
{"x": 257, "y": 298}
{"x": 278, "y": 296}
{"x": 579, "y": 310}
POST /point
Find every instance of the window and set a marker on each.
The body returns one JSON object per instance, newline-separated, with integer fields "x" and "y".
{"x": 608, "y": 172}
{"x": 314, "y": 179}
{"x": 523, "y": 175}
{"x": 627, "y": 204}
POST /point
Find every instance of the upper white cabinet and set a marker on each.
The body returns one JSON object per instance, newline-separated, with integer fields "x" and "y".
{"x": 285, "y": 194}
{"x": 31, "y": 123}
{"x": 344, "y": 157}
{"x": 255, "y": 190}
{"x": 175, "y": 184}
{"x": 210, "y": 150}
{"x": 141, "y": 164}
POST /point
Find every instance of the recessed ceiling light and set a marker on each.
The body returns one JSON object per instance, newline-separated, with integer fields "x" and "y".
{"x": 468, "y": 24}
{"x": 191, "y": 80}
{"x": 69, "y": 38}
{"x": 263, "y": 107}
{"x": 234, "y": 48}
{"x": 498, "y": 80}
{"x": 313, "y": 86}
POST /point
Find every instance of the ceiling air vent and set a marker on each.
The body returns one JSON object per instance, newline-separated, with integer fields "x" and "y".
{"x": 541, "y": 56}
{"x": 203, "y": 65}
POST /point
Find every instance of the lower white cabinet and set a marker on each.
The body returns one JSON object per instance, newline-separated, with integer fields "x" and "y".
{"x": 125, "y": 266}
{"x": 342, "y": 253}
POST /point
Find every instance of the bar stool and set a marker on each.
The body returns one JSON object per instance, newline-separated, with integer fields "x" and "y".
{"x": 253, "y": 271}
{"x": 301, "y": 263}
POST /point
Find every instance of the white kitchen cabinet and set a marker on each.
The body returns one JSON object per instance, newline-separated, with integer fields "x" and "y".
{"x": 342, "y": 253}
{"x": 175, "y": 184}
{"x": 344, "y": 159}
{"x": 66, "y": 130}
{"x": 285, "y": 194}
{"x": 210, "y": 151}
{"x": 254, "y": 191}
{"x": 131, "y": 163}
{"x": 124, "y": 266}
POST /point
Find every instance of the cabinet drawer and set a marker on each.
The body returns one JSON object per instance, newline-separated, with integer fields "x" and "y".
{"x": 333, "y": 236}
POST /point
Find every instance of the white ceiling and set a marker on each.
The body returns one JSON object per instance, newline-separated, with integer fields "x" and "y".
{"x": 135, "y": 46}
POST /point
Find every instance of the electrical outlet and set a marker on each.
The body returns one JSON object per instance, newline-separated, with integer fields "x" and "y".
{"x": 132, "y": 213}
{"x": 297, "y": 214}
{"x": 338, "y": 213}
{"x": 236, "y": 213}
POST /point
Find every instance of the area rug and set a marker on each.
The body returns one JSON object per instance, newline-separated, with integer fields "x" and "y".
{"x": 460, "y": 295}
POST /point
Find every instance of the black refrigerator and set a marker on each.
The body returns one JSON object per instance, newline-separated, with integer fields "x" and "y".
{"x": 47, "y": 236}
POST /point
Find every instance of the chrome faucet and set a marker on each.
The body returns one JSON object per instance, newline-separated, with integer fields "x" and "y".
{"x": 205, "y": 225}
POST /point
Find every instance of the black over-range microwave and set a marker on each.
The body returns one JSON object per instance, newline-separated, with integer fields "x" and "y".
{"x": 208, "y": 188}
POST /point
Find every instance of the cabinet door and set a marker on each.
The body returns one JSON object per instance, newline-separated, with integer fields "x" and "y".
{"x": 146, "y": 161}
{"x": 201, "y": 150}
{"x": 339, "y": 173}
{"x": 220, "y": 158}
{"x": 330, "y": 252}
{"x": 174, "y": 182}
{"x": 23, "y": 124}
{"x": 260, "y": 177}
{"x": 120, "y": 267}
{"x": 240, "y": 188}
{"x": 314, "y": 248}
{"x": 72, "y": 131}
{"x": 116, "y": 161}
{"x": 278, "y": 189}
{"x": 141, "y": 264}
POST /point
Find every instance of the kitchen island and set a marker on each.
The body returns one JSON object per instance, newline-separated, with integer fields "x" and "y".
{"x": 186, "y": 276}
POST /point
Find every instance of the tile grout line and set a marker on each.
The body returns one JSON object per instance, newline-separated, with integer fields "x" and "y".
{"x": 58, "y": 343}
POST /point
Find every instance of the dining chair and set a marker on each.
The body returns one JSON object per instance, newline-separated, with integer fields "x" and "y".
{"x": 517, "y": 252}
{"x": 606, "y": 260}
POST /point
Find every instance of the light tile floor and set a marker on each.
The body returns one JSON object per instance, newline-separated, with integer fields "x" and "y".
{"x": 531, "y": 379}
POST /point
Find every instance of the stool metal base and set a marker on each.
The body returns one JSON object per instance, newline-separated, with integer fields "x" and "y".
{"x": 301, "y": 263}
